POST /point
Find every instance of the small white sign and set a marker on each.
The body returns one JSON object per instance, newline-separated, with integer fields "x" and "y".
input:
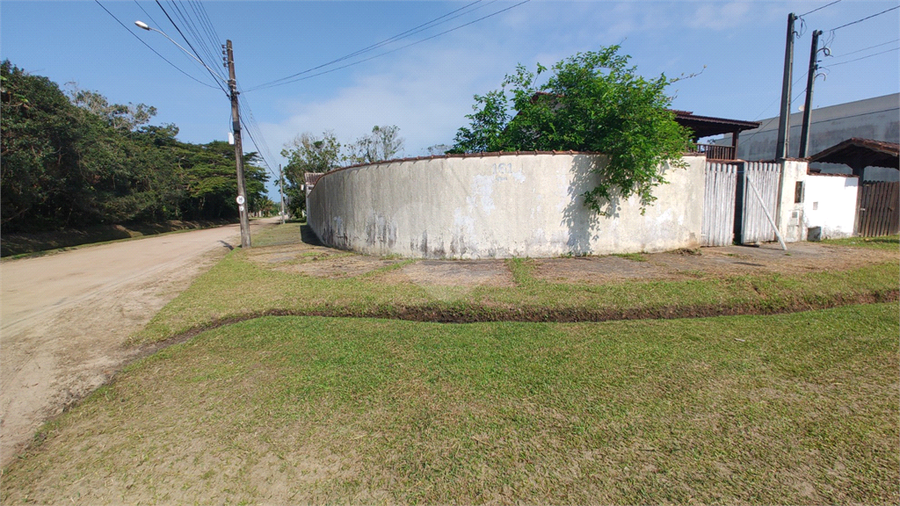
{"x": 240, "y": 200}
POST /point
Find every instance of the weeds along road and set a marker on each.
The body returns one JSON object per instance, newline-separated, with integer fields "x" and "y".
{"x": 65, "y": 318}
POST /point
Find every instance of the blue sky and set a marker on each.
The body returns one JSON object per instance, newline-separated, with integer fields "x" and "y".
{"x": 426, "y": 89}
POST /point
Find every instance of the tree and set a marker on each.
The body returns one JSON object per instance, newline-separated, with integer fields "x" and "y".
{"x": 79, "y": 160}
{"x": 592, "y": 102}
{"x": 120, "y": 116}
{"x": 308, "y": 153}
{"x": 382, "y": 144}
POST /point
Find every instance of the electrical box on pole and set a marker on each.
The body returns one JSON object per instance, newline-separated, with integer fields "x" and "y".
{"x": 238, "y": 147}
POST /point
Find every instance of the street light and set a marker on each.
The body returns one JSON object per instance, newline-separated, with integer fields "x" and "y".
{"x": 236, "y": 127}
{"x": 145, "y": 26}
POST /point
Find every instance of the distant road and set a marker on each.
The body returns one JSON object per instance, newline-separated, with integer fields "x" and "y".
{"x": 64, "y": 318}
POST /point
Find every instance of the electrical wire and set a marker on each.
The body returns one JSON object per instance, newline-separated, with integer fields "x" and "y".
{"x": 820, "y": 8}
{"x": 399, "y": 36}
{"x": 864, "y": 49}
{"x": 863, "y": 57}
{"x": 389, "y": 52}
{"x": 196, "y": 33}
{"x": 151, "y": 48}
{"x": 205, "y": 65}
{"x": 865, "y": 18}
{"x": 206, "y": 24}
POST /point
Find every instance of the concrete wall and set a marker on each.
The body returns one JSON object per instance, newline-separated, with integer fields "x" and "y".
{"x": 874, "y": 118}
{"x": 497, "y": 206}
{"x": 830, "y": 203}
{"x": 790, "y": 221}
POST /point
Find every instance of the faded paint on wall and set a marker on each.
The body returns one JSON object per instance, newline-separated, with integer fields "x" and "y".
{"x": 830, "y": 203}
{"x": 499, "y": 206}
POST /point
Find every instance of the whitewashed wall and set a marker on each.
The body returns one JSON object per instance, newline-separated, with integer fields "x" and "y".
{"x": 830, "y": 203}
{"x": 498, "y": 206}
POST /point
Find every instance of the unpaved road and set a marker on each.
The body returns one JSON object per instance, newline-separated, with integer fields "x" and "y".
{"x": 65, "y": 318}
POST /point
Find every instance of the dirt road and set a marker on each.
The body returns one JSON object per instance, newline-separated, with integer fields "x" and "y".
{"x": 64, "y": 318}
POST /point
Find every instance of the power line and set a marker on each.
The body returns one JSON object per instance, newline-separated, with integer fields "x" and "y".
{"x": 863, "y": 57}
{"x": 205, "y": 65}
{"x": 150, "y": 48}
{"x": 865, "y": 49}
{"x": 372, "y": 47}
{"x": 818, "y": 9}
{"x": 391, "y": 51}
{"x": 865, "y": 18}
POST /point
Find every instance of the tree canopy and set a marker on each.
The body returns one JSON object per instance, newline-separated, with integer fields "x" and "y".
{"x": 593, "y": 102}
{"x": 310, "y": 153}
{"x": 72, "y": 161}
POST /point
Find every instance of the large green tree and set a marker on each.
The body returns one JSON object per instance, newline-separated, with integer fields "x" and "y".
{"x": 593, "y": 102}
{"x": 78, "y": 160}
{"x": 308, "y": 153}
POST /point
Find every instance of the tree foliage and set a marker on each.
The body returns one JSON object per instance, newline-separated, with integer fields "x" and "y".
{"x": 382, "y": 144}
{"x": 308, "y": 153}
{"x": 72, "y": 161}
{"x": 592, "y": 102}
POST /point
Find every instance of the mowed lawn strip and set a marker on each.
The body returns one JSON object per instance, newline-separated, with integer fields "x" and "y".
{"x": 786, "y": 409}
{"x": 239, "y": 288}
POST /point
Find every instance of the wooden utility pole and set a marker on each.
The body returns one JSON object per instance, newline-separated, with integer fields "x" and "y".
{"x": 281, "y": 191}
{"x": 782, "y": 146}
{"x": 810, "y": 80}
{"x": 238, "y": 147}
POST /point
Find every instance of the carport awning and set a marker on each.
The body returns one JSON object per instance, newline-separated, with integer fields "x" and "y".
{"x": 861, "y": 153}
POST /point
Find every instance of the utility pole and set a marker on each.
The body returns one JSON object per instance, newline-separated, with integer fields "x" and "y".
{"x": 281, "y": 191}
{"x": 782, "y": 146}
{"x": 810, "y": 80}
{"x": 238, "y": 147}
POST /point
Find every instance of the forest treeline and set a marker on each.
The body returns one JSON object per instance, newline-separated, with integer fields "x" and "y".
{"x": 70, "y": 160}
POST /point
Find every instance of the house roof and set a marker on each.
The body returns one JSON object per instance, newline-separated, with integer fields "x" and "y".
{"x": 861, "y": 153}
{"x": 702, "y": 126}
{"x": 705, "y": 126}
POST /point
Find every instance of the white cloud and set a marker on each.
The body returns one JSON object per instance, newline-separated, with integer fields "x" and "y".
{"x": 720, "y": 16}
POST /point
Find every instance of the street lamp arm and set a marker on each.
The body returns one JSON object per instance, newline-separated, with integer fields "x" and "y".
{"x": 145, "y": 26}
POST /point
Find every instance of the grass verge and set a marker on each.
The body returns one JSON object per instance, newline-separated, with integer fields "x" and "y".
{"x": 789, "y": 409}
{"x": 239, "y": 288}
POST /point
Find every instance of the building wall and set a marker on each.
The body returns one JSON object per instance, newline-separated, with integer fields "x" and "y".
{"x": 875, "y": 118}
{"x": 498, "y": 206}
{"x": 790, "y": 221}
{"x": 830, "y": 203}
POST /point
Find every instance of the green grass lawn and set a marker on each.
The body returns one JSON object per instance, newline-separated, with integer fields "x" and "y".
{"x": 239, "y": 288}
{"x": 327, "y": 404}
{"x": 789, "y": 409}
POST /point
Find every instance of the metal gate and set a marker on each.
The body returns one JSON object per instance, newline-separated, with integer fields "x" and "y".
{"x": 736, "y": 199}
{"x": 878, "y": 212}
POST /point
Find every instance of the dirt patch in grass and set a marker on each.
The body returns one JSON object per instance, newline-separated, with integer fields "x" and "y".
{"x": 318, "y": 261}
{"x": 464, "y": 273}
{"x": 719, "y": 262}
